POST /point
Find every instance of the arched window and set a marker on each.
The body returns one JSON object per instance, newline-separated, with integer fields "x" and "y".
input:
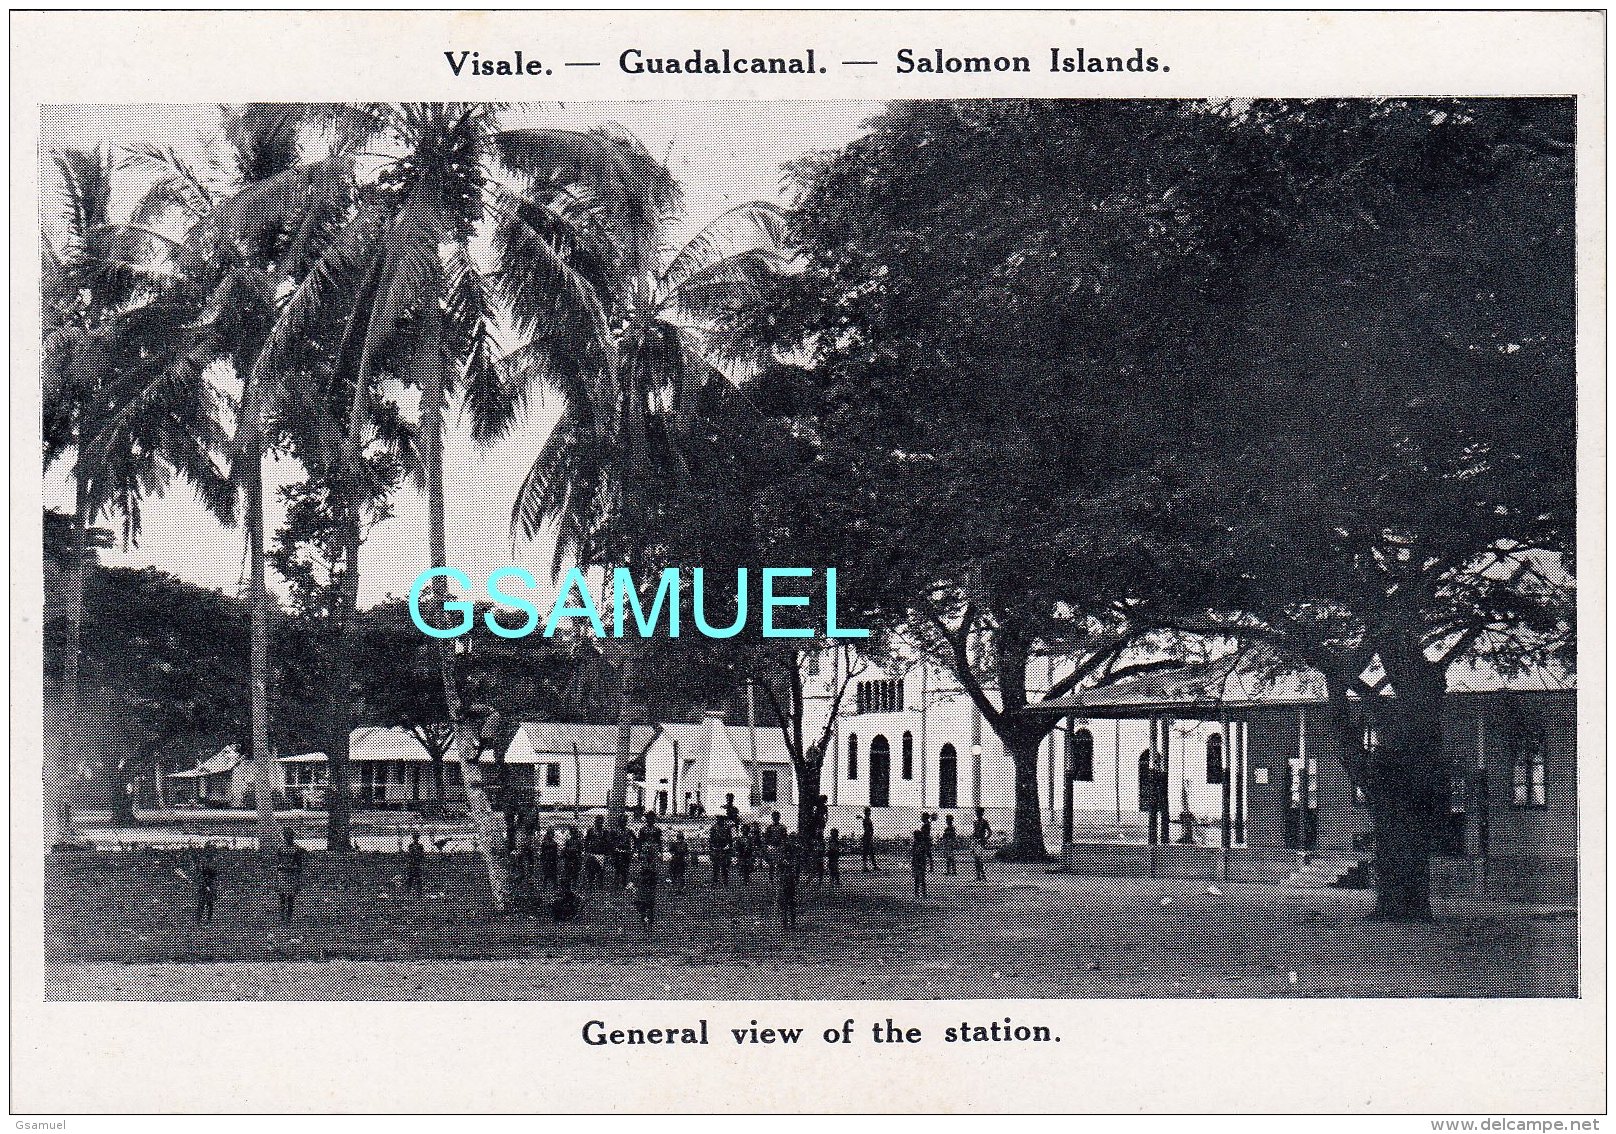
{"x": 1080, "y": 749}
{"x": 1214, "y": 758}
{"x": 852, "y": 755}
{"x": 908, "y": 755}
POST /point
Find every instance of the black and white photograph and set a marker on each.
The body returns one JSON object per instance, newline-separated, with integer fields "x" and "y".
{"x": 982, "y": 550}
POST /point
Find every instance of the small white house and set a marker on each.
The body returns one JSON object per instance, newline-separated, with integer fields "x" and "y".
{"x": 222, "y": 780}
{"x": 570, "y": 764}
{"x": 687, "y": 764}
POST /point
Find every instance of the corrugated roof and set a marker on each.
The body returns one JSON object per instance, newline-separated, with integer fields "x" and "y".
{"x": 1257, "y": 676}
{"x": 557, "y": 737}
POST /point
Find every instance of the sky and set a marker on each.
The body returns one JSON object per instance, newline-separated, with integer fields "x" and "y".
{"x": 723, "y": 153}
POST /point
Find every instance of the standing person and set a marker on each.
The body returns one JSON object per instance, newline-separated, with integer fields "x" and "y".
{"x": 527, "y": 862}
{"x": 549, "y": 860}
{"x": 207, "y": 882}
{"x": 622, "y": 852}
{"x": 731, "y": 812}
{"x": 919, "y": 852}
{"x": 774, "y": 841}
{"x": 650, "y": 833}
{"x": 289, "y": 873}
{"x": 594, "y": 848}
{"x": 924, "y": 834}
{"x": 718, "y": 849}
{"x": 821, "y": 816}
{"x": 573, "y": 857}
{"x": 678, "y": 859}
{"x": 650, "y": 856}
{"x": 981, "y": 832}
{"x": 833, "y": 859}
{"x": 950, "y": 846}
{"x": 789, "y": 867}
{"x": 415, "y": 866}
{"x": 867, "y": 844}
{"x": 746, "y": 846}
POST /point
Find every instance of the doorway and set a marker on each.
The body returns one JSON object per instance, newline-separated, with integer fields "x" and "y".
{"x": 948, "y": 777}
{"x": 880, "y": 772}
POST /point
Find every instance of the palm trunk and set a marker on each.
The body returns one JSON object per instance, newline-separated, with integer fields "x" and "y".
{"x": 617, "y": 800}
{"x": 427, "y": 364}
{"x": 338, "y": 806}
{"x": 258, "y": 604}
{"x": 59, "y": 809}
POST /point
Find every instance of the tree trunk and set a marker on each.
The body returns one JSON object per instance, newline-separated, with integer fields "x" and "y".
{"x": 809, "y": 769}
{"x": 338, "y": 834}
{"x": 59, "y": 807}
{"x": 1407, "y": 785}
{"x": 1020, "y": 743}
{"x": 1027, "y": 834}
{"x": 123, "y": 798}
{"x": 427, "y": 365}
{"x": 258, "y": 605}
{"x": 617, "y": 801}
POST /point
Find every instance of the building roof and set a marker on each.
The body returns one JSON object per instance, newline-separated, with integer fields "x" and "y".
{"x": 556, "y": 738}
{"x": 1256, "y": 676}
{"x": 224, "y": 760}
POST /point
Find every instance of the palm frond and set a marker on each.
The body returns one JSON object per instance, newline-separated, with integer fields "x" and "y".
{"x": 755, "y": 227}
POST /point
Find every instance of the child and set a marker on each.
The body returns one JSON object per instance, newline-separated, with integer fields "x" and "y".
{"x": 678, "y": 859}
{"x": 746, "y": 853}
{"x": 415, "y": 866}
{"x": 919, "y": 852}
{"x": 867, "y": 844}
{"x": 786, "y": 874}
{"x": 207, "y": 882}
{"x": 572, "y": 861}
{"x": 950, "y": 847}
{"x": 718, "y": 849}
{"x": 288, "y": 873}
{"x": 549, "y": 856}
{"x": 833, "y": 859}
{"x": 980, "y": 834}
{"x": 645, "y": 888}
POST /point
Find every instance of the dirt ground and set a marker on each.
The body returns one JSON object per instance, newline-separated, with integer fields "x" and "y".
{"x": 119, "y": 926}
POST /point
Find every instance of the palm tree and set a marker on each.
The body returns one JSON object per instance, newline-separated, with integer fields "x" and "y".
{"x": 109, "y": 321}
{"x": 622, "y": 333}
{"x": 252, "y": 230}
{"x": 423, "y": 312}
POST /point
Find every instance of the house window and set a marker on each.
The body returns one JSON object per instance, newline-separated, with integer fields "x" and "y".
{"x": 852, "y": 755}
{"x": 881, "y": 696}
{"x": 1528, "y": 775}
{"x": 1214, "y": 759}
{"x": 1080, "y": 755}
{"x": 908, "y": 756}
{"x": 552, "y": 775}
{"x": 771, "y": 786}
{"x": 813, "y": 663}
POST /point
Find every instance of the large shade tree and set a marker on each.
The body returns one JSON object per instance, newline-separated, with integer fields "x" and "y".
{"x": 995, "y": 305}
{"x": 1393, "y": 435}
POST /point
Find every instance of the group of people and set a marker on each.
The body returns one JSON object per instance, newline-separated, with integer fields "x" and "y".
{"x": 289, "y": 862}
{"x": 922, "y": 860}
{"x": 560, "y": 867}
